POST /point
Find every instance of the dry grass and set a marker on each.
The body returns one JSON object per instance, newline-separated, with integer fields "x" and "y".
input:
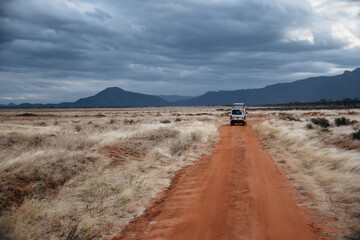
{"x": 83, "y": 174}
{"x": 323, "y": 163}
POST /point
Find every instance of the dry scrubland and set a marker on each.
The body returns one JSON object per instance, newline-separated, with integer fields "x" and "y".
{"x": 320, "y": 152}
{"x": 83, "y": 174}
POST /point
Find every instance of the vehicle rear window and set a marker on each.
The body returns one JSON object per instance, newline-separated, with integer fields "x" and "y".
{"x": 237, "y": 112}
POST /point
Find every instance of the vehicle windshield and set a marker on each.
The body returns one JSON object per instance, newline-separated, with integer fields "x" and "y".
{"x": 237, "y": 112}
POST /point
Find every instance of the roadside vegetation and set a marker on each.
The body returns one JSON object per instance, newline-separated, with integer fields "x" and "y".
{"x": 83, "y": 174}
{"x": 320, "y": 153}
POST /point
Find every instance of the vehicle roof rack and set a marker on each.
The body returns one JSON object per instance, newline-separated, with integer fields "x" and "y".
{"x": 239, "y": 104}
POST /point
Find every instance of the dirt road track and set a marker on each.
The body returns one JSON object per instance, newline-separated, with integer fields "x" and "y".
{"x": 236, "y": 193}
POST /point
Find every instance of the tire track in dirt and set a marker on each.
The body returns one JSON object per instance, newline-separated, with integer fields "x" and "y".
{"x": 236, "y": 193}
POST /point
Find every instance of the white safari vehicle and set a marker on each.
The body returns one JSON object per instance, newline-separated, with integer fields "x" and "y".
{"x": 238, "y": 114}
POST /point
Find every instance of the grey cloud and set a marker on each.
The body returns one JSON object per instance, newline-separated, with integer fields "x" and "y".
{"x": 187, "y": 47}
{"x": 99, "y": 14}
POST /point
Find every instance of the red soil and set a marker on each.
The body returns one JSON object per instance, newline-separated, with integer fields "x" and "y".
{"x": 236, "y": 193}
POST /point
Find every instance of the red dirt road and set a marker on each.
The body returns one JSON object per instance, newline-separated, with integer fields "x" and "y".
{"x": 236, "y": 193}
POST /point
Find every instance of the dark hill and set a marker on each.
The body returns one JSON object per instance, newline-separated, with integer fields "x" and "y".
{"x": 117, "y": 97}
{"x": 109, "y": 97}
{"x": 346, "y": 85}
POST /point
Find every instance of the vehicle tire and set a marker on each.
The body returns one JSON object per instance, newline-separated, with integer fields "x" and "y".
{"x": 244, "y": 123}
{"x": 232, "y": 123}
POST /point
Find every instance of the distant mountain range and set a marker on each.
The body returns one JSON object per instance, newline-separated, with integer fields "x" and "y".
{"x": 346, "y": 85}
{"x": 174, "y": 98}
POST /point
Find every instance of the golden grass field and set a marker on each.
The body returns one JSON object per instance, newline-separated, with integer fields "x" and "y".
{"x": 323, "y": 163}
{"x": 85, "y": 173}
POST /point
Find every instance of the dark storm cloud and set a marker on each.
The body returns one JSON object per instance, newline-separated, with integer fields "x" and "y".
{"x": 75, "y": 48}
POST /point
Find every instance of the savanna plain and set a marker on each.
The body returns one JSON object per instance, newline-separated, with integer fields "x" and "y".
{"x": 85, "y": 173}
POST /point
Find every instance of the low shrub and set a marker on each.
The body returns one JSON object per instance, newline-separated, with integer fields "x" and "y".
{"x": 179, "y": 145}
{"x": 356, "y": 135}
{"x": 129, "y": 121}
{"x": 100, "y": 115}
{"x": 26, "y": 115}
{"x": 288, "y": 117}
{"x": 165, "y": 121}
{"x": 323, "y": 122}
{"x": 342, "y": 121}
{"x": 309, "y": 126}
{"x": 41, "y": 124}
{"x": 195, "y": 136}
{"x": 37, "y": 141}
{"x": 8, "y": 142}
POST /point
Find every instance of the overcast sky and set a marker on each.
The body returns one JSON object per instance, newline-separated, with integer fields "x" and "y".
{"x": 61, "y": 50}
